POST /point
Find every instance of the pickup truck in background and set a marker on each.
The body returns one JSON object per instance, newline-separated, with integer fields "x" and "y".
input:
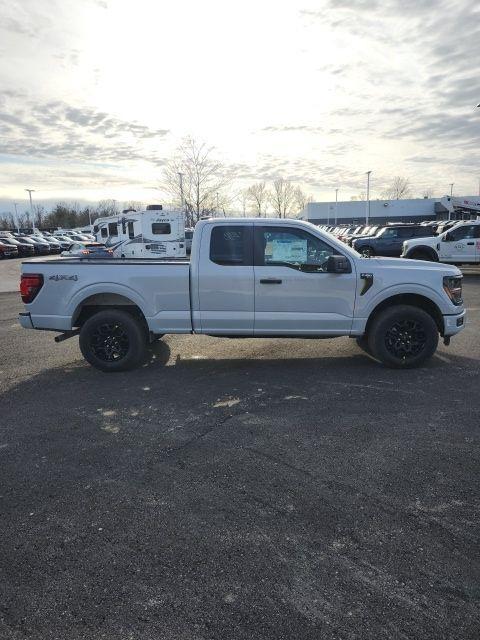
{"x": 247, "y": 278}
{"x": 458, "y": 245}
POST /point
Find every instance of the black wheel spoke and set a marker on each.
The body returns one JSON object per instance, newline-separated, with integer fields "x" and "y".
{"x": 109, "y": 342}
{"x": 406, "y": 339}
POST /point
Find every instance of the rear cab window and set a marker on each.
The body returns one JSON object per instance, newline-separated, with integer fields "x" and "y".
{"x": 232, "y": 245}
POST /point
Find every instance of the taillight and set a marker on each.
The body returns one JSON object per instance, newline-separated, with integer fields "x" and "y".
{"x": 30, "y": 285}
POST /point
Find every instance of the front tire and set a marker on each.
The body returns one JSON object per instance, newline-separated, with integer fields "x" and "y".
{"x": 367, "y": 252}
{"x": 113, "y": 340}
{"x": 403, "y": 337}
{"x": 422, "y": 255}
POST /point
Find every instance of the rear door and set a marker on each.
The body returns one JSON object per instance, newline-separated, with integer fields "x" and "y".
{"x": 225, "y": 280}
{"x": 294, "y": 295}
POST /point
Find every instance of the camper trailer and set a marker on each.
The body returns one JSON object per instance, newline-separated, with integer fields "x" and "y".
{"x": 153, "y": 233}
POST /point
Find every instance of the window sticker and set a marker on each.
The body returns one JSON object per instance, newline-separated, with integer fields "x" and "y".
{"x": 286, "y": 250}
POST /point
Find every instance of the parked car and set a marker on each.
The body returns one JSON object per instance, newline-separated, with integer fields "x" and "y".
{"x": 88, "y": 250}
{"x": 55, "y": 246}
{"x": 24, "y": 248}
{"x": 41, "y": 248}
{"x": 247, "y": 277}
{"x": 7, "y": 250}
{"x": 389, "y": 240}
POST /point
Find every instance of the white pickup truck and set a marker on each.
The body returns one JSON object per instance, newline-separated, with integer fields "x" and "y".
{"x": 247, "y": 278}
{"x": 459, "y": 245}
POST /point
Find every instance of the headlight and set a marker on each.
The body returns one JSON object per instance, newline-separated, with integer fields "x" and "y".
{"x": 453, "y": 288}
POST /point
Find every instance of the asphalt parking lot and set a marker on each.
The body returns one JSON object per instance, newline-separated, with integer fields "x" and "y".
{"x": 238, "y": 489}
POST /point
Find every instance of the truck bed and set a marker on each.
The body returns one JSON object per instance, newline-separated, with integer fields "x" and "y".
{"x": 159, "y": 288}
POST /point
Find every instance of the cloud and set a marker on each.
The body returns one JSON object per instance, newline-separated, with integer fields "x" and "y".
{"x": 58, "y": 130}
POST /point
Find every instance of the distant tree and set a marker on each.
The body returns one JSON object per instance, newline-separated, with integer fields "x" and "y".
{"x": 133, "y": 204}
{"x": 400, "y": 188}
{"x": 282, "y": 197}
{"x": 193, "y": 177}
{"x": 300, "y": 200}
{"x": 361, "y": 196}
{"x": 257, "y": 197}
{"x": 427, "y": 193}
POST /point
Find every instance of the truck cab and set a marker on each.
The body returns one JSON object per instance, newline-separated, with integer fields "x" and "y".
{"x": 458, "y": 245}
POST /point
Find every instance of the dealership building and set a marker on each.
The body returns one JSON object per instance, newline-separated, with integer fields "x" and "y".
{"x": 384, "y": 211}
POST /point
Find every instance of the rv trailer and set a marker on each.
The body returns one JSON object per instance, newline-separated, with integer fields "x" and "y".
{"x": 153, "y": 233}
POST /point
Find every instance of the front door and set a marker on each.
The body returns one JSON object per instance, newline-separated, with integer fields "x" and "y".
{"x": 294, "y": 294}
{"x": 462, "y": 244}
{"x": 225, "y": 303}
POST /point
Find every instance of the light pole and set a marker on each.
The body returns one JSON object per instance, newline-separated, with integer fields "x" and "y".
{"x": 451, "y": 188}
{"x": 336, "y": 205}
{"x": 367, "y": 212}
{"x": 16, "y": 216}
{"x": 30, "y": 191}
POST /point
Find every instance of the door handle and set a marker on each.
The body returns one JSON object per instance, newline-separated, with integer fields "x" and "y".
{"x": 470, "y": 243}
{"x": 270, "y": 281}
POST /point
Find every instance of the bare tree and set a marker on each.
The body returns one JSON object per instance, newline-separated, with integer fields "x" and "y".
{"x": 194, "y": 178}
{"x": 257, "y": 196}
{"x": 300, "y": 199}
{"x": 282, "y": 197}
{"x": 400, "y": 188}
{"x": 133, "y": 204}
{"x": 361, "y": 196}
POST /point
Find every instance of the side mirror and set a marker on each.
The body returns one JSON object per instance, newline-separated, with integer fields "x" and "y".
{"x": 448, "y": 237}
{"x": 338, "y": 264}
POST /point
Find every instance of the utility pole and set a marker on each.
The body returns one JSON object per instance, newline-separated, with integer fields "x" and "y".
{"x": 336, "y": 205}
{"x": 451, "y": 188}
{"x": 16, "y": 216}
{"x": 367, "y": 212}
{"x": 30, "y": 191}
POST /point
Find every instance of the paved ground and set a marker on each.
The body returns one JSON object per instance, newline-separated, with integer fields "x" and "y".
{"x": 238, "y": 489}
{"x": 10, "y": 272}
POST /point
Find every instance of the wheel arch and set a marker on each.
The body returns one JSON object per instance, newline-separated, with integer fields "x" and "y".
{"x": 101, "y": 301}
{"x": 412, "y": 299}
{"x": 422, "y": 248}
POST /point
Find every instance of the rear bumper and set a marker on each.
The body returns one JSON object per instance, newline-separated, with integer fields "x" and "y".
{"x": 454, "y": 324}
{"x": 25, "y": 320}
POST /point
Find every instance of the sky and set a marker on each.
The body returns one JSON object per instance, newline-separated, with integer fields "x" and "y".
{"x": 96, "y": 95}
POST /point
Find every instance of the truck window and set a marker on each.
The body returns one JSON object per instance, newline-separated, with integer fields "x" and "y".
{"x": 131, "y": 232}
{"x": 464, "y": 233}
{"x": 112, "y": 229}
{"x": 295, "y": 248}
{"x": 104, "y": 232}
{"x": 231, "y": 245}
{"x": 161, "y": 228}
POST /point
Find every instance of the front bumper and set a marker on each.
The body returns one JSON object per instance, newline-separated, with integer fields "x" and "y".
{"x": 25, "y": 320}
{"x": 454, "y": 324}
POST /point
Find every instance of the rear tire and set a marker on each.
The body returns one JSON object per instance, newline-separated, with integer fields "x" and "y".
{"x": 403, "y": 337}
{"x": 113, "y": 340}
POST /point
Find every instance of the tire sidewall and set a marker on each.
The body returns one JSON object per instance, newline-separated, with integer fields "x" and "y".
{"x": 384, "y": 322}
{"x": 136, "y": 338}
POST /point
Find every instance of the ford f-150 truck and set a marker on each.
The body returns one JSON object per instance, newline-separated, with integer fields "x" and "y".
{"x": 458, "y": 245}
{"x": 247, "y": 278}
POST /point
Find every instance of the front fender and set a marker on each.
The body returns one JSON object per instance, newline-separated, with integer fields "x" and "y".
{"x": 443, "y": 304}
